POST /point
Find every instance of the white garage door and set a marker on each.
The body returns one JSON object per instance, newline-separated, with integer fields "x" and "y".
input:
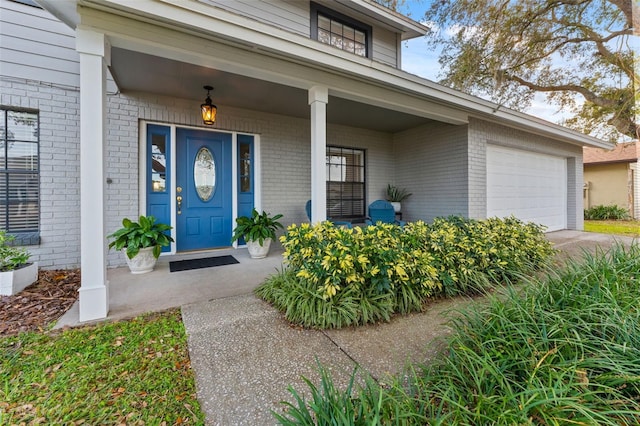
{"x": 528, "y": 185}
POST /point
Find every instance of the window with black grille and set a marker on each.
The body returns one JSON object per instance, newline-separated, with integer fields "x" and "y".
{"x": 345, "y": 183}
{"x": 340, "y": 31}
{"x": 20, "y": 175}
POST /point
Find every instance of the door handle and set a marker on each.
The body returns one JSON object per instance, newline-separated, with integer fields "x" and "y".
{"x": 179, "y": 200}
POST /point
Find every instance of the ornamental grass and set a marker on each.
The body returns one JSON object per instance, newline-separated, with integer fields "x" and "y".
{"x": 562, "y": 351}
{"x": 336, "y": 277}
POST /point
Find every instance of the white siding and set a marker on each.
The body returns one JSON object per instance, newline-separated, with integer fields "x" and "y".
{"x": 36, "y": 46}
{"x": 385, "y": 46}
{"x": 291, "y": 15}
{"x": 295, "y": 16}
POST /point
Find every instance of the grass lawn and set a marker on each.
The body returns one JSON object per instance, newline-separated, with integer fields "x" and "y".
{"x": 617, "y": 227}
{"x": 129, "y": 372}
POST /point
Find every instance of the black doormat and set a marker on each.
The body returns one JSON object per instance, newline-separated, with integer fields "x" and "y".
{"x": 207, "y": 262}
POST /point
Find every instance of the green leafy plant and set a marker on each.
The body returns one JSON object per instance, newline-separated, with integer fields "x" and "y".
{"x": 330, "y": 405}
{"x": 602, "y": 212}
{"x": 258, "y": 227}
{"x": 11, "y": 257}
{"x": 337, "y": 277}
{"x": 397, "y": 195}
{"x": 563, "y": 349}
{"x": 134, "y": 236}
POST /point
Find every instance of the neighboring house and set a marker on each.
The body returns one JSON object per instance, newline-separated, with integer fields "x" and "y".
{"x": 101, "y": 103}
{"x": 611, "y": 177}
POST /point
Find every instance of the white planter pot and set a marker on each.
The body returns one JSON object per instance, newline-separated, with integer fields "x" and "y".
{"x": 12, "y": 282}
{"x": 396, "y": 206}
{"x": 257, "y": 251}
{"x": 143, "y": 262}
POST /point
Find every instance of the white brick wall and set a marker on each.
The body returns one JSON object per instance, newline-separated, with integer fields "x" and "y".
{"x": 286, "y": 178}
{"x": 59, "y": 167}
{"x": 285, "y": 147}
{"x": 431, "y": 162}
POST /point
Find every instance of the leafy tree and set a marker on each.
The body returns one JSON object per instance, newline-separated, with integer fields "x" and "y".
{"x": 508, "y": 50}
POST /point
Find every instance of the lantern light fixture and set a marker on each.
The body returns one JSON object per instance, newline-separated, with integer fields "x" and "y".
{"x": 208, "y": 109}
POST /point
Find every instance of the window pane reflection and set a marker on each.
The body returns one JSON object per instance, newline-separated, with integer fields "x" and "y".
{"x": 158, "y": 163}
{"x": 245, "y": 167}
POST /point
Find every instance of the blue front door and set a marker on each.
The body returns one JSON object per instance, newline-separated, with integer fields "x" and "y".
{"x": 203, "y": 190}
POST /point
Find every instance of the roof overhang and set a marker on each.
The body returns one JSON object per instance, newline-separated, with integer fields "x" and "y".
{"x": 199, "y": 34}
{"x": 64, "y": 10}
{"x": 407, "y": 26}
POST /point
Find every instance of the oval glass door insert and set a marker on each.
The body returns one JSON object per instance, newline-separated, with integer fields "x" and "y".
{"x": 204, "y": 174}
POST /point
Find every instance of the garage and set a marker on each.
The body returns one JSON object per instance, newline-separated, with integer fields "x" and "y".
{"x": 528, "y": 185}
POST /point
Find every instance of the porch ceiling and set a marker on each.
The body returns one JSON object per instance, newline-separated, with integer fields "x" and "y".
{"x": 140, "y": 72}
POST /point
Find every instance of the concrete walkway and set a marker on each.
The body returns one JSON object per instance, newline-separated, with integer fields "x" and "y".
{"x": 245, "y": 355}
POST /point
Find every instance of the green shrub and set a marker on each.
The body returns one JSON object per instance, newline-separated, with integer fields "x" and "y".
{"x": 337, "y": 277}
{"x": 564, "y": 351}
{"x": 11, "y": 257}
{"x": 606, "y": 213}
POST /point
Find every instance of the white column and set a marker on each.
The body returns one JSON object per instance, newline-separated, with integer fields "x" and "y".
{"x": 318, "y": 99}
{"x": 94, "y": 58}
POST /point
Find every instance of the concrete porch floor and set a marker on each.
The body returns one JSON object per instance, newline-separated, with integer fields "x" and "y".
{"x": 131, "y": 295}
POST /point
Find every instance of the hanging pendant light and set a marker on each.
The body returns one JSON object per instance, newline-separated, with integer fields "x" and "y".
{"x": 208, "y": 109}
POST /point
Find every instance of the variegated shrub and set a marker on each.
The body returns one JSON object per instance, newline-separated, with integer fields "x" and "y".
{"x": 337, "y": 276}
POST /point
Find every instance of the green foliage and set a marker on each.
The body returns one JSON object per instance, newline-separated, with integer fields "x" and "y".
{"x": 330, "y": 406}
{"x": 258, "y": 227}
{"x": 563, "y": 351}
{"x": 130, "y": 372}
{"x": 601, "y": 212}
{"x": 302, "y": 304}
{"x": 569, "y": 51}
{"x": 11, "y": 257}
{"x": 136, "y": 235}
{"x": 615, "y": 227}
{"x": 337, "y": 277}
{"x": 395, "y": 194}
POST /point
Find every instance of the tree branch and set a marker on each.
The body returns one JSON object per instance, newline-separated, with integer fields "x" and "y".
{"x": 588, "y": 95}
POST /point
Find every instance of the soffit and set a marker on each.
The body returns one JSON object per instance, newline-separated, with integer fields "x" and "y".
{"x": 140, "y": 72}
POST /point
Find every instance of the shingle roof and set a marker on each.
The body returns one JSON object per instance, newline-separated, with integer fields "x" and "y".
{"x": 627, "y": 152}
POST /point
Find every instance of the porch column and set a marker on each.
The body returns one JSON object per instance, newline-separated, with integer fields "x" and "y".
{"x": 318, "y": 99}
{"x": 94, "y": 58}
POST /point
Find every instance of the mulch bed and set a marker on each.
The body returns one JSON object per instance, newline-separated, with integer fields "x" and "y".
{"x": 40, "y": 304}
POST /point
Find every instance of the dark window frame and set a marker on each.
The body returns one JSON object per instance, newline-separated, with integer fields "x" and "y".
{"x": 353, "y": 217}
{"x": 317, "y": 9}
{"x": 22, "y": 237}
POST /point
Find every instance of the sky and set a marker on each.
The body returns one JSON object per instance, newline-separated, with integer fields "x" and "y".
{"x": 419, "y": 59}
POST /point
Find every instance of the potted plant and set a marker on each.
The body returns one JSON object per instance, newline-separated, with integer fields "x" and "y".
{"x": 141, "y": 241}
{"x": 16, "y": 273}
{"x": 258, "y": 231}
{"x": 396, "y": 195}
